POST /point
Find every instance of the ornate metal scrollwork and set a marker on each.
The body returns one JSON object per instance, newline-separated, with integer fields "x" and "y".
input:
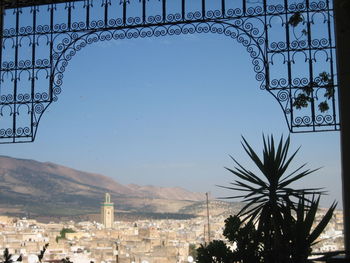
{"x": 290, "y": 43}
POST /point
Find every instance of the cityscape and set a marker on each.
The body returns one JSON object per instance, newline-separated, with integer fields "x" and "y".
{"x": 140, "y": 241}
{"x": 176, "y": 130}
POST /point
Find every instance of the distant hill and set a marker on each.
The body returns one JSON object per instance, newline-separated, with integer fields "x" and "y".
{"x": 173, "y": 193}
{"x": 45, "y": 188}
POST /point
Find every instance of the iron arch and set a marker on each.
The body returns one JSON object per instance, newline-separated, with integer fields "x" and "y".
{"x": 251, "y": 40}
{"x": 307, "y": 97}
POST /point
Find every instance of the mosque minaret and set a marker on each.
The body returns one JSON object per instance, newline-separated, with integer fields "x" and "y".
{"x": 107, "y": 212}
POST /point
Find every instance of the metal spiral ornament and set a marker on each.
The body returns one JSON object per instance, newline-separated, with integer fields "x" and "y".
{"x": 34, "y": 52}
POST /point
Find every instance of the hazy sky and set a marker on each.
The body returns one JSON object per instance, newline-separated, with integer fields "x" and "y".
{"x": 168, "y": 112}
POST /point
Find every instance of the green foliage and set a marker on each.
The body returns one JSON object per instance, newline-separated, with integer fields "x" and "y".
{"x": 276, "y": 223}
{"x": 303, "y": 99}
{"x": 295, "y": 19}
{"x": 329, "y": 92}
{"x": 245, "y": 237}
{"x": 323, "y": 106}
{"x": 215, "y": 252}
{"x": 298, "y": 229}
{"x": 327, "y": 82}
{"x": 308, "y": 90}
{"x": 265, "y": 194}
{"x": 63, "y": 233}
{"x": 325, "y": 77}
{"x": 192, "y": 251}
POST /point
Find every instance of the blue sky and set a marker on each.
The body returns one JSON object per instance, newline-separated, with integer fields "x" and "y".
{"x": 168, "y": 112}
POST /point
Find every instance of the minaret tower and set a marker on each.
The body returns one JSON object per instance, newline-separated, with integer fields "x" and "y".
{"x": 107, "y": 212}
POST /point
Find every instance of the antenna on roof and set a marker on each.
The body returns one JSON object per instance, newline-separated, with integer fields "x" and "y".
{"x": 207, "y": 196}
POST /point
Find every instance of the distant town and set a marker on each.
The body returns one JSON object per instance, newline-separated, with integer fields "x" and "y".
{"x": 113, "y": 241}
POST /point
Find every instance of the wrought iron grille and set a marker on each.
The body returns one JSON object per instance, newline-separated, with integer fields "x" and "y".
{"x": 290, "y": 42}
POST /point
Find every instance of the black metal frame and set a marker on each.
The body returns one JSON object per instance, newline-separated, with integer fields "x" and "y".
{"x": 292, "y": 38}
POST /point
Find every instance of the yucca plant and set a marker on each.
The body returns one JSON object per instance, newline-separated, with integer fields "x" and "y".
{"x": 269, "y": 197}
{"x": 276, "y": 224}
{"x": 269, "y": 189}
{"x": 299, "y": 230}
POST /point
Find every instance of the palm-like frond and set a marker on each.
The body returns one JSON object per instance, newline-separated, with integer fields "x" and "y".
{"x": 284, "y": 215}
{"x": 272, "y": 185}
{"x": 300, "y": 231}
{"x": 322, "y": 225}
{"x": 7, "y": 256}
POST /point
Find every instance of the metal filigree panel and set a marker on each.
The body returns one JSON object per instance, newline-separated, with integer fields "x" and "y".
{"x": 290, "y": 42}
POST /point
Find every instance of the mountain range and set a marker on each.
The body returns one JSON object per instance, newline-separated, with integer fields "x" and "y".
{"x": 46, "y": 188}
